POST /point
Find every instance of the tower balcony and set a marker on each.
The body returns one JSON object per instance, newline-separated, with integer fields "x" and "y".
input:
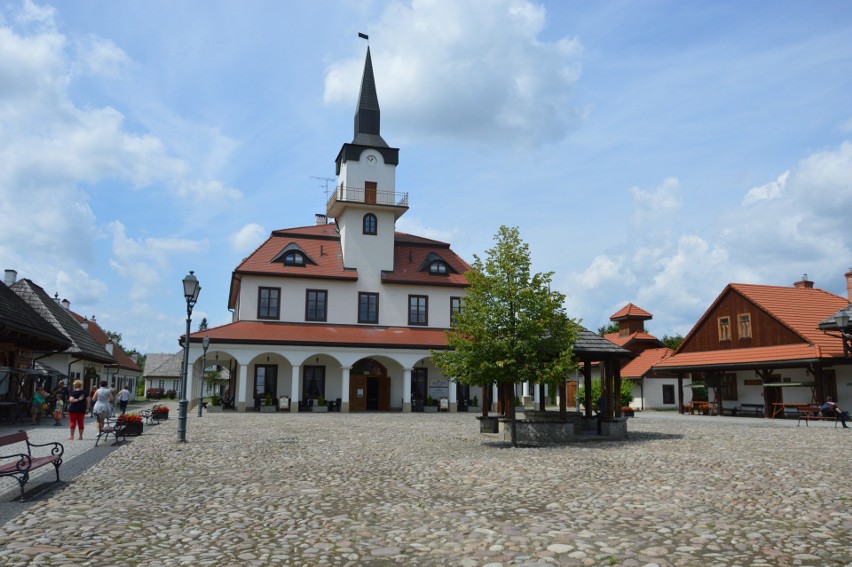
{"x": 344, "y": 196}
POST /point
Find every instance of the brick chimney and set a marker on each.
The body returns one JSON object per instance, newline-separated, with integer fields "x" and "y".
{"x": 10, "y": 277}
{"x": 320, "y": 219}
{"x": 804, "y": 282}
{"x": 849, "y": 285}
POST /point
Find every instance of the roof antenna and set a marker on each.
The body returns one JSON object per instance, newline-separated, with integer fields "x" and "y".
{"x": 325, "y": 183}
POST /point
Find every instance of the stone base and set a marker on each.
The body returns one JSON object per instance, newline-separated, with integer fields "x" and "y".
{"x": 538, "y": 432}
{"x": 268, "y": 409}
{"x": 614, "y": 428}
{"x": 319, "y": 409}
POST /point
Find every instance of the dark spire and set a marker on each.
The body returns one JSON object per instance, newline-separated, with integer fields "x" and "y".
{"x": 367, "y": 115}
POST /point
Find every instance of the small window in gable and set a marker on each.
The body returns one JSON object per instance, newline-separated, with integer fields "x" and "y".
{"x": 294, "y": 259}
{"x": 370, "y": 224}
{"x": 438, "y": 267}
{"x": 293, "y": 255}
{"x": 724, "y": 328}
{"x": 745, "y": 325}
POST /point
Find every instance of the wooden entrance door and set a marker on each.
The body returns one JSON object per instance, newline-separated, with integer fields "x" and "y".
{"x": 357, "y": 393}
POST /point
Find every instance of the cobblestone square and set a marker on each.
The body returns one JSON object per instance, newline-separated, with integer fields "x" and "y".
{"x": 425, "y": 489}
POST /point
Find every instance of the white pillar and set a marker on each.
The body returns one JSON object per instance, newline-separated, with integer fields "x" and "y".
{"x": 294, "y": 388}
{"x": 344, "y": 385}
{"x": 242, "y": 387}
{"x": 453, "y": 394}
{"x": 406, "y": 390}
{"x": 494, "y": 401}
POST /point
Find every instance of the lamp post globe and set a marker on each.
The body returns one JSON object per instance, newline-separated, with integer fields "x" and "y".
{"x": 205, "y": 344}
{"x": 191, "y": 289}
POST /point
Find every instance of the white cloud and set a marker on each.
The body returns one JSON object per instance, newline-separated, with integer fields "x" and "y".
{"x": 772, "y": 190}
{"x": 101, "y": 57}
{"x": 413, "y": 225}
{"x": 477, "y": 70}
{"x": 247, "y": 238}
{"x": 654, "y": 206}
{"x": 142, "y": 262}
{"x": 798, "y": 223}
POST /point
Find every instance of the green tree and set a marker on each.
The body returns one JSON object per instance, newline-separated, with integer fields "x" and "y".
{"x": 626, "y": 393}
{"x": 672, "y": 341}
{"x": 512, "y": 328}
{"x": 202, "y": 326}
{"x": 607, "y": 329}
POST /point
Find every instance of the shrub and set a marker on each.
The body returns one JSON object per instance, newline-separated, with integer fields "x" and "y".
{"x": 626, "y": 393}
{"x": 214, "y": 399}
{"x": 154, "y": 393}
{"x": 171, "y": 394}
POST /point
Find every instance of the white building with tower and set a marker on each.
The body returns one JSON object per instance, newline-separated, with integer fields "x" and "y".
{"x": 344, "y": 312}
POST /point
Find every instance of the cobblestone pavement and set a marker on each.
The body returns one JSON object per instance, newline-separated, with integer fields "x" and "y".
{"x": 425, "y": 489}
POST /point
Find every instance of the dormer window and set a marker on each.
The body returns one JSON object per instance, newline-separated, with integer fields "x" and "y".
{"x": 434, "y": 264}
{"x": 293, "y": 255}
{"x": 438, "y": 267}
{"x": 370, "y": 224}
{"x": 294, "y": 259}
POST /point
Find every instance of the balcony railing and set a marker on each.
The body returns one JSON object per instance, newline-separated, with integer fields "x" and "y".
{"x": 370, "y": 196}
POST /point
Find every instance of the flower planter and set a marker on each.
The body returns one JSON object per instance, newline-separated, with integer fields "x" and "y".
{"x": 319, "y": 409}
{"x": 161, "y": 416}
{"x": 268, "y": 409}
{"x": 430, "y": 409}
{"x": 133, "y": 428}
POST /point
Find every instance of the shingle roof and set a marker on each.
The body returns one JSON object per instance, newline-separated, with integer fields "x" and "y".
{"x": 22, "y": 326}
{"x": 590, "y": 345}
{"x": 265, "y": 332}
{"x": 163, "y": 364}
{"x": 121, "y": 357}
{"x": 82, "y": 344}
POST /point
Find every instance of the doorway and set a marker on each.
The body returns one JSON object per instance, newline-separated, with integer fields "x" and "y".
{"x": 369, "y": 386}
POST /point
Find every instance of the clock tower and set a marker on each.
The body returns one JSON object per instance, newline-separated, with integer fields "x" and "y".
{"x": 365, "y": 204}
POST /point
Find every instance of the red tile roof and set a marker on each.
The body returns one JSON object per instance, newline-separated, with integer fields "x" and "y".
{"x": 630, "y": 311}
{"x": 743, "y": 356}
{"x": 321, "y": 243}
{"x": 408, "y": 262}
{"x": 100, "y": 336}
{"x": 324, "y": 335}
{"x": 642, "y": 364}
{"x": 638, "y": 336}
{"x": 799, "y": 309}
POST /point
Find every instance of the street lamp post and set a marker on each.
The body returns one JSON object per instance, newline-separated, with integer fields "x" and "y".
{"x": 205, "y": 343}
{"x": 842, "y": 319}
{"x": 191, "y": 290}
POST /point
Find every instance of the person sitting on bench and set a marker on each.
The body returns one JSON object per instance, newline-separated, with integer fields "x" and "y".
{"x": 829, "y": 408}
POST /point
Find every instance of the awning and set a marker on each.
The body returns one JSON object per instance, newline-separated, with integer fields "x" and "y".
{"x": 789, "y": 384}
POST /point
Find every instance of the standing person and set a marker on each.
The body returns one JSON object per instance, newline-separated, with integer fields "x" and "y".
{"x": 829, "y": 408}
{"x": 102, "y": 399}
{"x": 78, "y": 403}
{"x": 61, "y": 393}
{"x": 38, "y": 403}
{"x": 123, "y": 398}
{"x": 58, "y": 408}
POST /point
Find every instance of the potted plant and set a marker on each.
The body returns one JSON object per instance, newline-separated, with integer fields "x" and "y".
{"x": 320, "y": 406}
{"x": 132, "y": 424}
{"x": 160, "y": 413}
{"x": 474, "y": 404}
{"x": 214, "y": 404}
{"x": 267, "y": 406}
{"x": 430, "y": 406}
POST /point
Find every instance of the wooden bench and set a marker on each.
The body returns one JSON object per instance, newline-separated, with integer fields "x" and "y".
{"x": 19, "y": 465}
{"x": 812, "y": 413}
{"x": 755, "y": 409}
{"x": 114, "y": 427}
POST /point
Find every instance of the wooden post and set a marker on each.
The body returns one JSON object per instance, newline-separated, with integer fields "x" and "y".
{"x": 680, "y": 392}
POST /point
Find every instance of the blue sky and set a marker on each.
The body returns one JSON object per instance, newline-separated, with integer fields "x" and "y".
{"x": 649, "y": 152}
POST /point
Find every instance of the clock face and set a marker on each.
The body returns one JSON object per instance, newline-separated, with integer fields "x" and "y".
{"x": 371, "y": 159}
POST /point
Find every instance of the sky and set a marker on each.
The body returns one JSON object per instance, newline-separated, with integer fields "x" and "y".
{"x": 649, "y": 152}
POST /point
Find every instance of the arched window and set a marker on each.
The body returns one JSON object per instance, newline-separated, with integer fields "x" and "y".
{"x": 294, "y": 259}
{"x": 370, "y": 223}
{"x": 438, "y": 267}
